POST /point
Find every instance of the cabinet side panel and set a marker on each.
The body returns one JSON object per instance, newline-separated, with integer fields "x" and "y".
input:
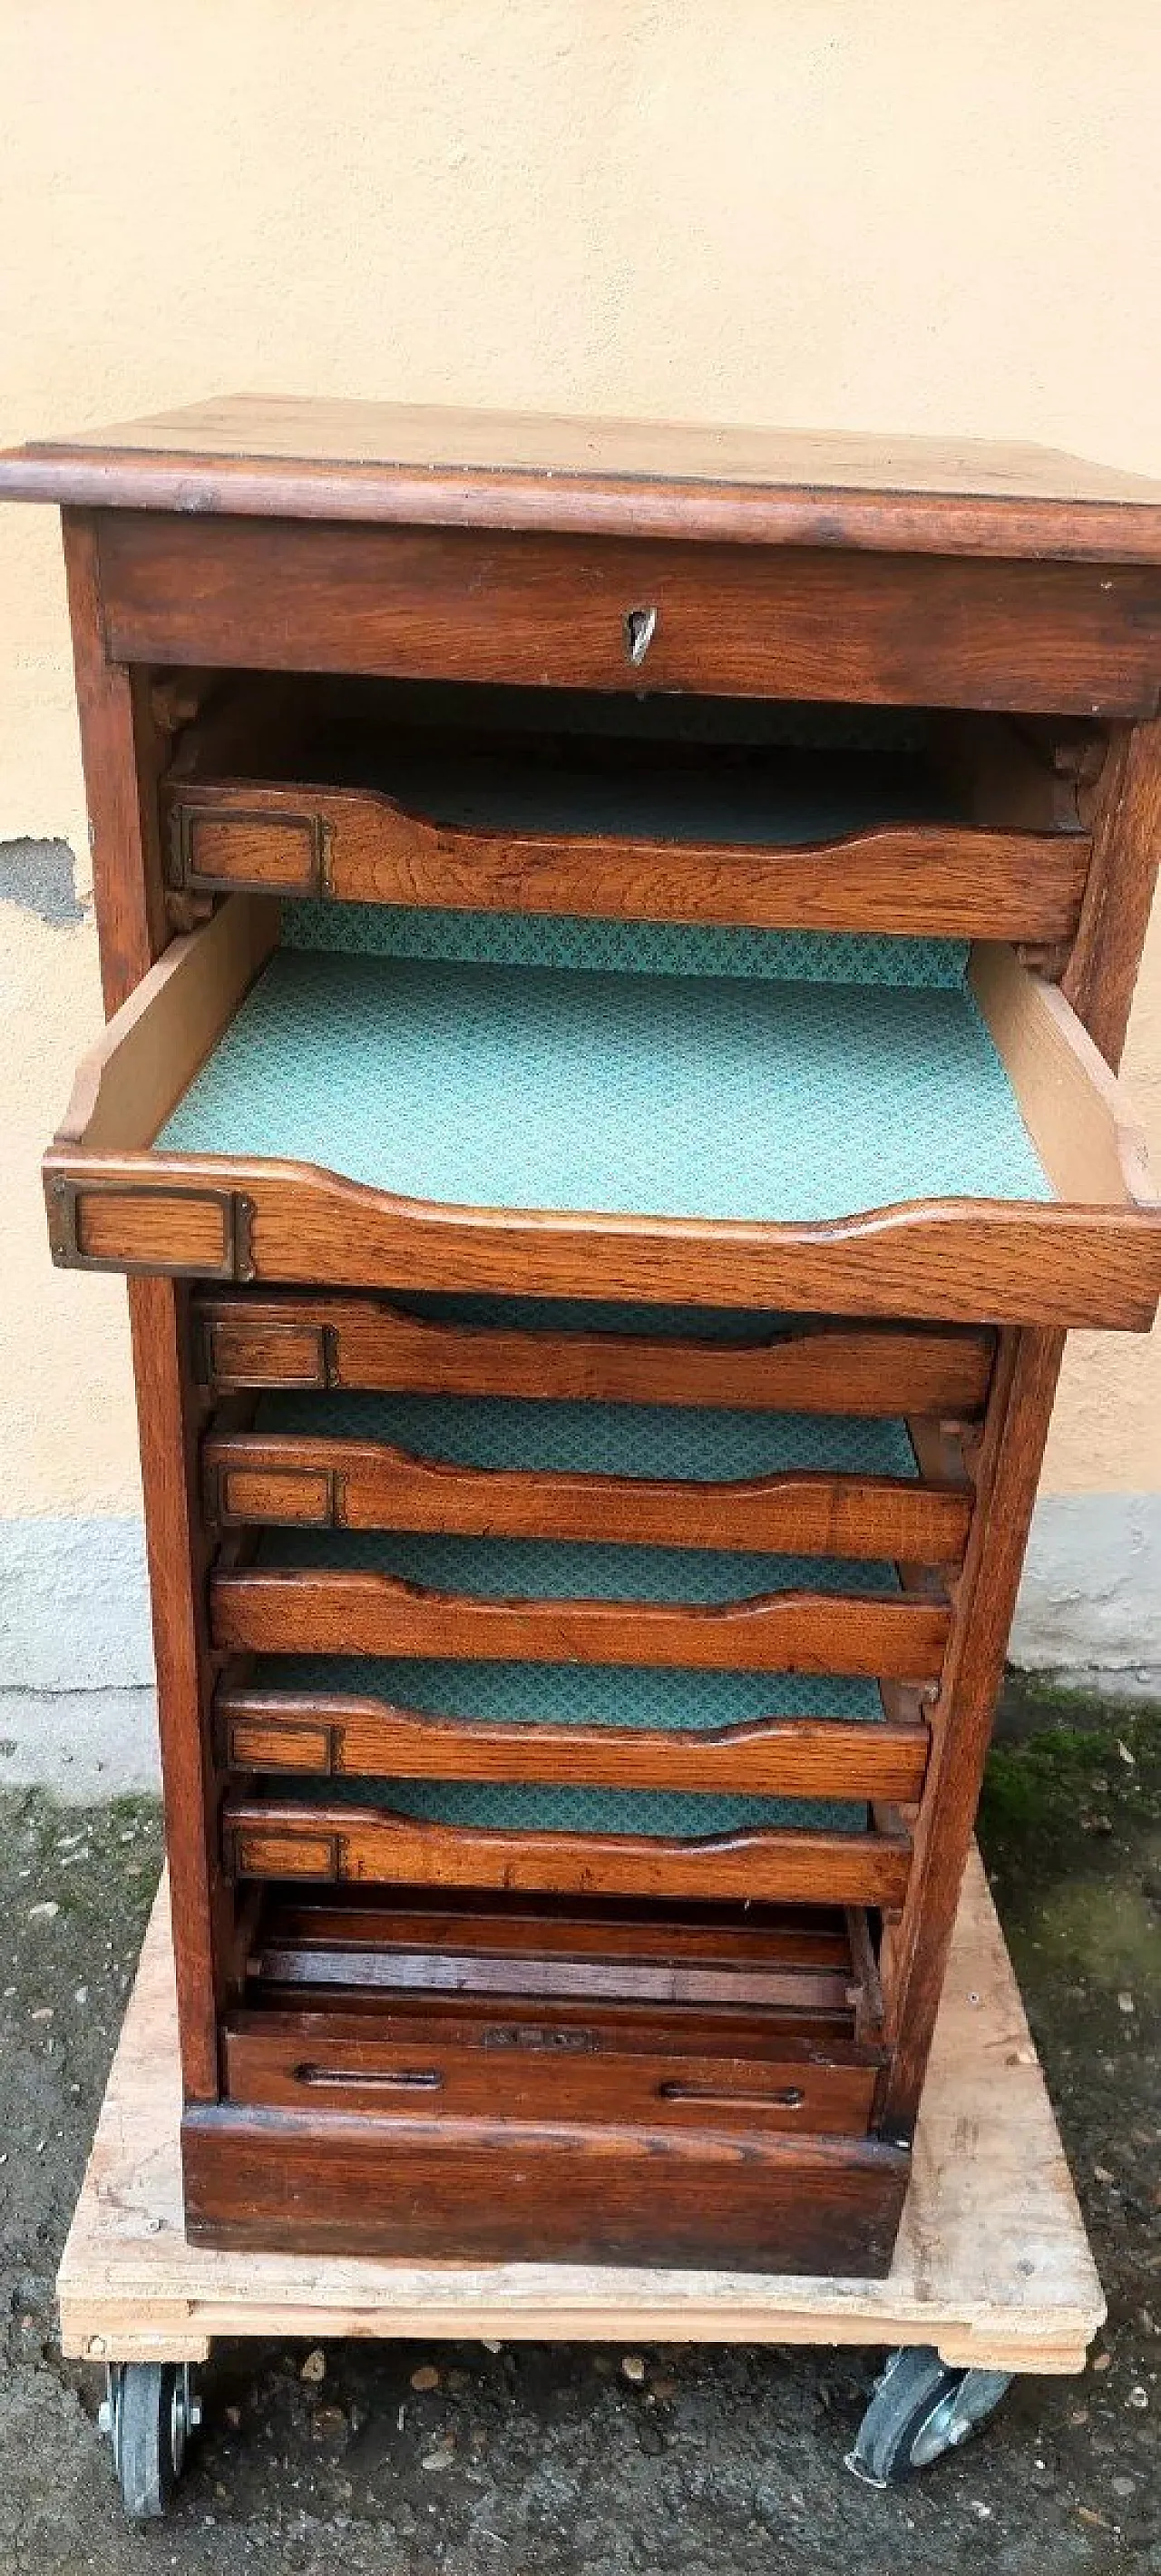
{"x": 1101, "y": 973}
{"x": 1008, "y": 1470}
{"x": 121, "y": 754}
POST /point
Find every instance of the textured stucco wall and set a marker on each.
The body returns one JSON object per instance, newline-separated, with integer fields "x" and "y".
{"x": 909, "y": 215}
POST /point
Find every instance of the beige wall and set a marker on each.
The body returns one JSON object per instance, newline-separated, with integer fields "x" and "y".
{"x": 883, "y": 214}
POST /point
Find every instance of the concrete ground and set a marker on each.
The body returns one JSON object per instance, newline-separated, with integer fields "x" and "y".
{"x": 411, "y": 2459}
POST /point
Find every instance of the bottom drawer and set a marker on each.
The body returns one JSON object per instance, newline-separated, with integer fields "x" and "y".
{"x": 671, "y": 2069}
{"x": 442, "y": 2189}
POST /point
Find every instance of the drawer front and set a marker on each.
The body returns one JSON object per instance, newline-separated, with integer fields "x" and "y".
{"x": 534, "y": 2066}
{"x": 282, "y": 1609}
{"x": 785, "y": 1366}
{"x": 336, "y": 1845}
{"x": 324, "y": 1735}
{"x": 482, "y": 2191}
{"x": 589, "y": 613}
{"x": 357, "y": 846}
{"x": 257, "y": 1478}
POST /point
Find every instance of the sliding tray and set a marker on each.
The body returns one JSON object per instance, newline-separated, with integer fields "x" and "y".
{"x": 503, "y": 1467}
{"x": 788, "y": 1735}
{"x": 618, "y": 1780}
{"x": 379, "y": 1121}
{"x": 356, "y": 1592}
{"x": 581, "y": 1353}
{"x": 710, "y": 811}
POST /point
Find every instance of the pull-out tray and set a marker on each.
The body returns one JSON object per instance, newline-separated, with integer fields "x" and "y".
{"x": 348, "y": 1592}
{"x": 785, "y": 1735}
{"x": 651, "y": 1844}
{"x": 583, "y": 1353}
{"x": 487, "y": 1466}
{"x": 381, "y": 1122}
{"x": 959, "y": 827}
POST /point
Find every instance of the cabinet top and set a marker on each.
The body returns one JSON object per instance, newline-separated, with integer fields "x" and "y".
{"x": 271, "y": 456}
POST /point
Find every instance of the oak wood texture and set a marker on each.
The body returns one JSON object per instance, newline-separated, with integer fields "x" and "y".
{"x": 991, "y": 2263}
{"x": 1100, "y": 974}
{"x": 676, "y": 2072}
{"x": 331, "y": 1483}
{"x": 151, "y": 1049}
{"x": 362, "y": 846}
{"x": 452, "y": 2188}
{"x": 272, "y": 1609}
{"x": 1007, "y": 1473}
{"x": 297, "y": 1340}
{"x": 543, "y": 610}
{"x": 334, "y": 459}
{"x": 1089, "y": 1139}
{"x": 122, "y": 757}
{"x": 268, "y": 1838}
{"x": 264, "y": 1730}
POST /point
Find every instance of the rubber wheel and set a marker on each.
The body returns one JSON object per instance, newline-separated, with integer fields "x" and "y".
{"x": 921, "y": 2409}
{"x": 150, "y": 2411}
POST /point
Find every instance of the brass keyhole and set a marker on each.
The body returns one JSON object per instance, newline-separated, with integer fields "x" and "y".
{"x": 640, "y": 627}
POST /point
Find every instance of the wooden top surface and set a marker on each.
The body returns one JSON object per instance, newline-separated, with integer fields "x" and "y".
{"x": 992, "y": 2263}
{"x": 271, "y": 456}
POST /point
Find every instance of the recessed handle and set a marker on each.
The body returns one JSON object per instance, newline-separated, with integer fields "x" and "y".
{"x": 383, "y": 2079}
{"x": 639, "y": 626}
{"x": 789, "y": 2097}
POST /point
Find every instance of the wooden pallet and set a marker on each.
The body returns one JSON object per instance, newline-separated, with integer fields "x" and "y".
{"x": 992, "y": 2266}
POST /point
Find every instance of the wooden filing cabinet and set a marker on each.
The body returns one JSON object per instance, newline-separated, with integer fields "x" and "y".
{"x": 618, "y": 942}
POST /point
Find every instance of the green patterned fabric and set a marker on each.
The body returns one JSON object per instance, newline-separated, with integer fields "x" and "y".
{"x": 624, "y": 947}
{"x": 682, "y": 1096}
{"x": 528, "y": 1694}
{"x": 636, "y": 1440}
{"x": 564, "y": 1570}
{"x": 533, "y": 1807}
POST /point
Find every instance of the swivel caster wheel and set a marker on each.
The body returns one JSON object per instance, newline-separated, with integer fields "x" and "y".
{"x": 148, "y": 2414}
{"x": 921, "y": 2409}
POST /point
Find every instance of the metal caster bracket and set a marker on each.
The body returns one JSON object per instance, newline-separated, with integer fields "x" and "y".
{"x": 921, "y": 2409}
{"x": 148, "y": 2413}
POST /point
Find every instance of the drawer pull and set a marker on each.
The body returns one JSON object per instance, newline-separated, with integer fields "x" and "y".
{"x": 789, "y": 2097}
{"x": 640, "y": 627}
{"x": 385, "y": 2079}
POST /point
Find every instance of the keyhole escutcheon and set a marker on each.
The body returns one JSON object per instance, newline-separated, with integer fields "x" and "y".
{"x": 640, "y": 627}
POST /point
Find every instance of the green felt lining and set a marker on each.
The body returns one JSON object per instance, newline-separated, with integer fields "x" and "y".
{"x": 533, "y": 1807}
{"x": 634, "y": 1440}
{"x": 682, "y": 1096}
{"x": 591, "y": 945}
{"x": 567, "y": 1570}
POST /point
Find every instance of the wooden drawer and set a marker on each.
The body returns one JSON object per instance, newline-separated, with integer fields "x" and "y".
{"x": 1086, "y": 1251}
{"x": 537, "y": 610}
{"x": 372, "y": 1720}
{"x": 348, "y": 1593}
{"x": 567, "y": 2064}
{"x": 490, "y": 2191}
{"x": 755, "y": 1364}
{"x": 327, "y": 1843}
{"x": 949, "y": 827}
{"x": 490, "y": 1467}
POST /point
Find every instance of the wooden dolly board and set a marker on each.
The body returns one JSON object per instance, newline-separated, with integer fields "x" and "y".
{"x": 992, "y": 2273}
